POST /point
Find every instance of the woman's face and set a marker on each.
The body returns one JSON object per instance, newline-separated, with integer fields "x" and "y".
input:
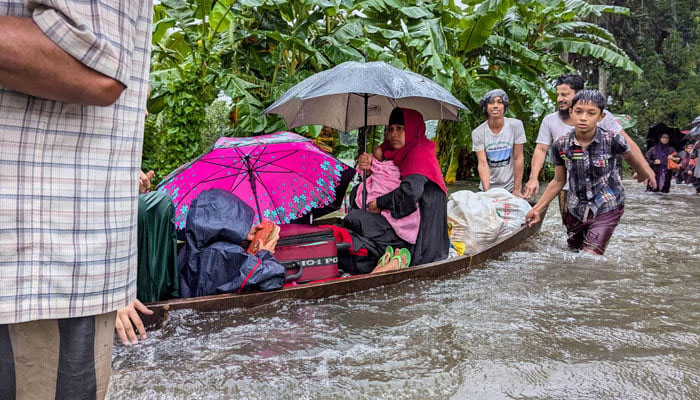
{"x": 397, "y": 136}
{"x": 665, "y": 138}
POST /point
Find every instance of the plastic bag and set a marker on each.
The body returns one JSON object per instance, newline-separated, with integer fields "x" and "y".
{"x": 509, "y": 207}
{"x": 475, "y": 221}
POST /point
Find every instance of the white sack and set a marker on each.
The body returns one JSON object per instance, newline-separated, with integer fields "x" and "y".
{"x": 474, "y": 219}
{"x": 509, "y": 207}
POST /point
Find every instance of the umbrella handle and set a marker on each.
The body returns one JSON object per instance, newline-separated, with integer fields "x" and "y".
{"x": 364, "y": 190}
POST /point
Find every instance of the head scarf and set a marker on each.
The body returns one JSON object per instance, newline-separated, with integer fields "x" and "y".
{"x": 489, "y": 96}
{"x": 417, "y": 156}
{"x": 661, "y": 152}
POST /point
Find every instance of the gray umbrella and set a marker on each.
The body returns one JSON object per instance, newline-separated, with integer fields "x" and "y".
{"x": 336, "y": 97}
{"x": 694, "y": 133}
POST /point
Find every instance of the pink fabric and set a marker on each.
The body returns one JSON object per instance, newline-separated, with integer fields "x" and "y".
{"x": 417, "y": 156}
{"x": 386, "y": 177}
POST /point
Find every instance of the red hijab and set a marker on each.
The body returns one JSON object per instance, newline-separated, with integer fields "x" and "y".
{"x": 417, "y": 156}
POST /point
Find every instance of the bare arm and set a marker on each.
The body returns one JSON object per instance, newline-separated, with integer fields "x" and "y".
{"x": 483, "y": 168}
{"x": 553, "y": 189}
{"x": 637, "y": 153}
{"x": 638, "y": 164}
{"x": 538, "y": 157}
{"x": 31, "y": 63}
{"x": 518, "y": 167}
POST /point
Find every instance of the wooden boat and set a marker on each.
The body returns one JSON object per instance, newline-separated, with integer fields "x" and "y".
{"x": 342, "y": 286}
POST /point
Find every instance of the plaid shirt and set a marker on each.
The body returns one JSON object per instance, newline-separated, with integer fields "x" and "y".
{"x": 69, "y": 173}
{"x": 594, "y": 185}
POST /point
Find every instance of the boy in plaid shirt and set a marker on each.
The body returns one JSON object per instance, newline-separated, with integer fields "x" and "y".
{"x": 595, "y": 201}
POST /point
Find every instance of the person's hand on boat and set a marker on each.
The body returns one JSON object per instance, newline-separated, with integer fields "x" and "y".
{"x": 364, "y": 162}
{"x": 145, "y": 181}
{"x": 372, "y": 207}
{"x": 533, "y": 216}
{"x": 531, "y": 188}
{"x": 127, "y": 318}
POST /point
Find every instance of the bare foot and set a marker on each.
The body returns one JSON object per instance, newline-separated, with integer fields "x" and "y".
{"x": 392, "y": 265}
{"x": 404, "y": 259}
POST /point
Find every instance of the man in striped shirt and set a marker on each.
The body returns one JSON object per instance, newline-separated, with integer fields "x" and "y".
{"x": 73, "y": 80}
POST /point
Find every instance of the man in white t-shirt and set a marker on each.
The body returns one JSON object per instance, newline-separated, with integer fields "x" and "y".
{"x": 498, "y": 143}
{"x": 558, "y": 123}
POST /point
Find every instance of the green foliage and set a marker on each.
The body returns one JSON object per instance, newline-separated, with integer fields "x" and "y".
{"x": 251, "y": 51}
{"x": 664, "y": 37}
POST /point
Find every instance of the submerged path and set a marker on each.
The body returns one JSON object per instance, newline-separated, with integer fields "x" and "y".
{"x": 540, "y": 322}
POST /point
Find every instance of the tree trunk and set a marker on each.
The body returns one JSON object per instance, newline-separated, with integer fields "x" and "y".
{"x": 603, "y": 81}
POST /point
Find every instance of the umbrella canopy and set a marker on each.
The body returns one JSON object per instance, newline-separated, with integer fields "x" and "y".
{"x": 625, "y": 121}
{"x": 336, "y": 97}
{"x": 655, "y": 132}
{"x": 282, "y": 176}
{"x": 694, "y": 133}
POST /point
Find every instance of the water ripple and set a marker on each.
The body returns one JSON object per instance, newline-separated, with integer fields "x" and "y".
{"x": 539, "y": 322}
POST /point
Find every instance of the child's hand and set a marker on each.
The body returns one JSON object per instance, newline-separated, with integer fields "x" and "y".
{"x": 378, "y": 153}
{"x": 272, "y": 242}
{"x": 253, "y": 230}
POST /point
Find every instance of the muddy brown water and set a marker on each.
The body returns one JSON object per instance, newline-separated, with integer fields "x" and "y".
{"x": 537, "y": 323}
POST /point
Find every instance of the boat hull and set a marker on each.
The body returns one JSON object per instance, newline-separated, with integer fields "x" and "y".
{"x": 336, "y": 287}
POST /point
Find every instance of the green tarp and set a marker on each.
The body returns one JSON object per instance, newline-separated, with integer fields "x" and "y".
{"x": 157, "y": 277}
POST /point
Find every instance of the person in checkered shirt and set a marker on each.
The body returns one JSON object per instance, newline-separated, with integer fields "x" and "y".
{"x": 588, "y": 156}
{"x": 73, "y": 81}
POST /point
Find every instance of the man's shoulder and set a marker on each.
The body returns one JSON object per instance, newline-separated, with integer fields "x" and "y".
{"x": 606, "y": 133}
{"x": 481, "y": 127}
{"x": 609, "y": 122}
{"x": 551, "y": 117}
{"x": 563, "y": 140}
{"x": 514, "y": 122}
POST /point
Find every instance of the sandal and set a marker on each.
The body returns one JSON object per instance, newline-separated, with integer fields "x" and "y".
{"x": 388, "y": 254}
{"x": 404, "y": 254}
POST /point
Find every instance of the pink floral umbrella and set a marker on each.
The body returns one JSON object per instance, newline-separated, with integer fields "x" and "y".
{"x": 282, "y": 176}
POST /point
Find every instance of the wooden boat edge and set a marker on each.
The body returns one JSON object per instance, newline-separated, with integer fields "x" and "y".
{"x": 337, "y": 287}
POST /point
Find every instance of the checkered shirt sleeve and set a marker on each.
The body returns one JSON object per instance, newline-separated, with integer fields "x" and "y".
{"x": 69, "y": 172}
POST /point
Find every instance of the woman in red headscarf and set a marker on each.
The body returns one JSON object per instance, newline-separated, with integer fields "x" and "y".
{"x": 422, "y": 187}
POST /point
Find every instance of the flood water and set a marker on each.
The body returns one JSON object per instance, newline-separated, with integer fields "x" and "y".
{"x": 537, "y": 323}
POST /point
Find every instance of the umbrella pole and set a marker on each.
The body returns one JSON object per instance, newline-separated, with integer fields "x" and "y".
{"x": 251, "y": 179}
{"x": 364, "y": 150}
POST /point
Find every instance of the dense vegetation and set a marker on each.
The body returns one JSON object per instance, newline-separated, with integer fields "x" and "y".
{"x": 217, "y": 64}
{"x": 663, "y": 38}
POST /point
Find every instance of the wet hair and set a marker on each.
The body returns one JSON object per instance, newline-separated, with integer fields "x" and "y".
{"x": 490, "y": 96}
{"x": 575, "y": 82}
{"x": 590, "y": 96}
